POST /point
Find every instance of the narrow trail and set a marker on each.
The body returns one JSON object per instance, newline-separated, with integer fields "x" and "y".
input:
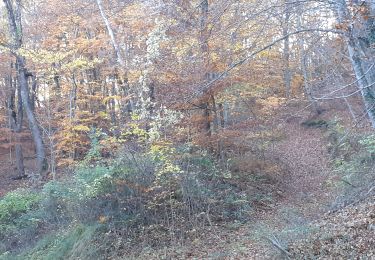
{"x": 306, "y": 184}
{"x": 306, "y": 196}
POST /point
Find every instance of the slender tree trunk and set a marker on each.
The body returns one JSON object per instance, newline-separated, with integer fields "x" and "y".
{"x": 33, "y": 124}
{"x": 56, "y": 79}
{"x": 16, "y": 119}
{"x": 286, "y": 50}
{"x": 206, "y": 117}
{"x": 112, "y": 104}
{"x": 111, "y": 34}
{"x": 18, "y": 127}
{"x": 72, "y": 99}
{"x": 205, "y": 55}
{"x": 365, "y": 80}
{"x": 303, "y": 55}
{"x": 215, "y": 120}
{"x": 33, "y": 94}
{"x": 19, "y": 159}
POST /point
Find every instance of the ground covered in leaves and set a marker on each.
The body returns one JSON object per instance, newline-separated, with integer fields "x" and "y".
{"x": 348, "y": 233}
{"x": 292, "y": 217}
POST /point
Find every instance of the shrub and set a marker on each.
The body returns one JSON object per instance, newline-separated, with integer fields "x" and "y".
{"x": 354, "y": 164}
{"x": 13, "y": 206}
{"x": 151, "y": 195}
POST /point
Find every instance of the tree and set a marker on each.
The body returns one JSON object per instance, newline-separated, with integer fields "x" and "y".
{"x": 358, "y": 35}
{"x": 14, "y": 13}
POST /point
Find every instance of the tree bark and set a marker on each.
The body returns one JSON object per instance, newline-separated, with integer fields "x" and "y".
{"x": 33, "y": 94}
{"x": 286, "y": 50}
{"x": 72, "y": 99}
{"x": 111, "y": 34}
{"x": 33, "y": 124}
{"x": 205, "y": 56}
{"x": 16, "y": 119}
{"x": 306, "y": 83}
{"x": 15, "y": 30}
{"x": 356, "y": 51}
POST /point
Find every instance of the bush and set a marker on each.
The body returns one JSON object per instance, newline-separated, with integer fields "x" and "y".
{"x": 354, "y": 162}
{"x": 152, "y": 197}
{"x": 13, "y": 206}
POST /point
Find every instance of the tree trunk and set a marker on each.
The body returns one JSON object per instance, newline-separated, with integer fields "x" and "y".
{"x": 205, "y": 56}
{"x": 16, "y": 119}
{"x": 112, "y": 104}
{"x": 356, "y": 51}
{"x": 57, "y": 88}
{"x": 15, "y": 30}
{"x": 72, "y": 99}
{"x": 33, "y": 95}
{"x": 306, "y": 83}
{"x": 111, "y": 34}
{"x": 215, "y": 119}
{"x": 206, "y": 119}
{"x": 33, "y": 124}
{"x": 286, "y": 50}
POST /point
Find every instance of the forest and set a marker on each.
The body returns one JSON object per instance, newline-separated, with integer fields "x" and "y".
{"x": 187, "y": 129}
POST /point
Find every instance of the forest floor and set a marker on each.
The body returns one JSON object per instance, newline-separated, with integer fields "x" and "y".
{"x": 305, "y": 193}
{"x": 307, "y": 189}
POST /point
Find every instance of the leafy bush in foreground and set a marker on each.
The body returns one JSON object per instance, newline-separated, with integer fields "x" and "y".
{"x": 149, "y": 198}
{"x": 13, "y": 206}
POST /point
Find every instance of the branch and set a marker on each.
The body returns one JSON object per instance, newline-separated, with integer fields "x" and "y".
{"x": 347, "y": 85}
{"x": 207, "y": 86}
{"x": 274, "y": 241}
{"x": 344, "y": 96}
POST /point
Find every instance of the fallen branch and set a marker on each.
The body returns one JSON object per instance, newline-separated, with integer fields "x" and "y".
{"x": 275, "y": 242}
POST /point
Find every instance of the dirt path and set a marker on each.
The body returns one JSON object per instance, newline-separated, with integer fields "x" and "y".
{"x": 305, "y": 153}
{"x": 306, "y": 195}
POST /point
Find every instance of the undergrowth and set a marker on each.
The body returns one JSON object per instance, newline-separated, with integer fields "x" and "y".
{"x": 353, "y": 156}
{"x": 149, "y": 197}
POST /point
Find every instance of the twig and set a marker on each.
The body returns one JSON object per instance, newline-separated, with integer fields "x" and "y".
{"x": 275, "y": 242}
{"x": 348, "y": 182}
